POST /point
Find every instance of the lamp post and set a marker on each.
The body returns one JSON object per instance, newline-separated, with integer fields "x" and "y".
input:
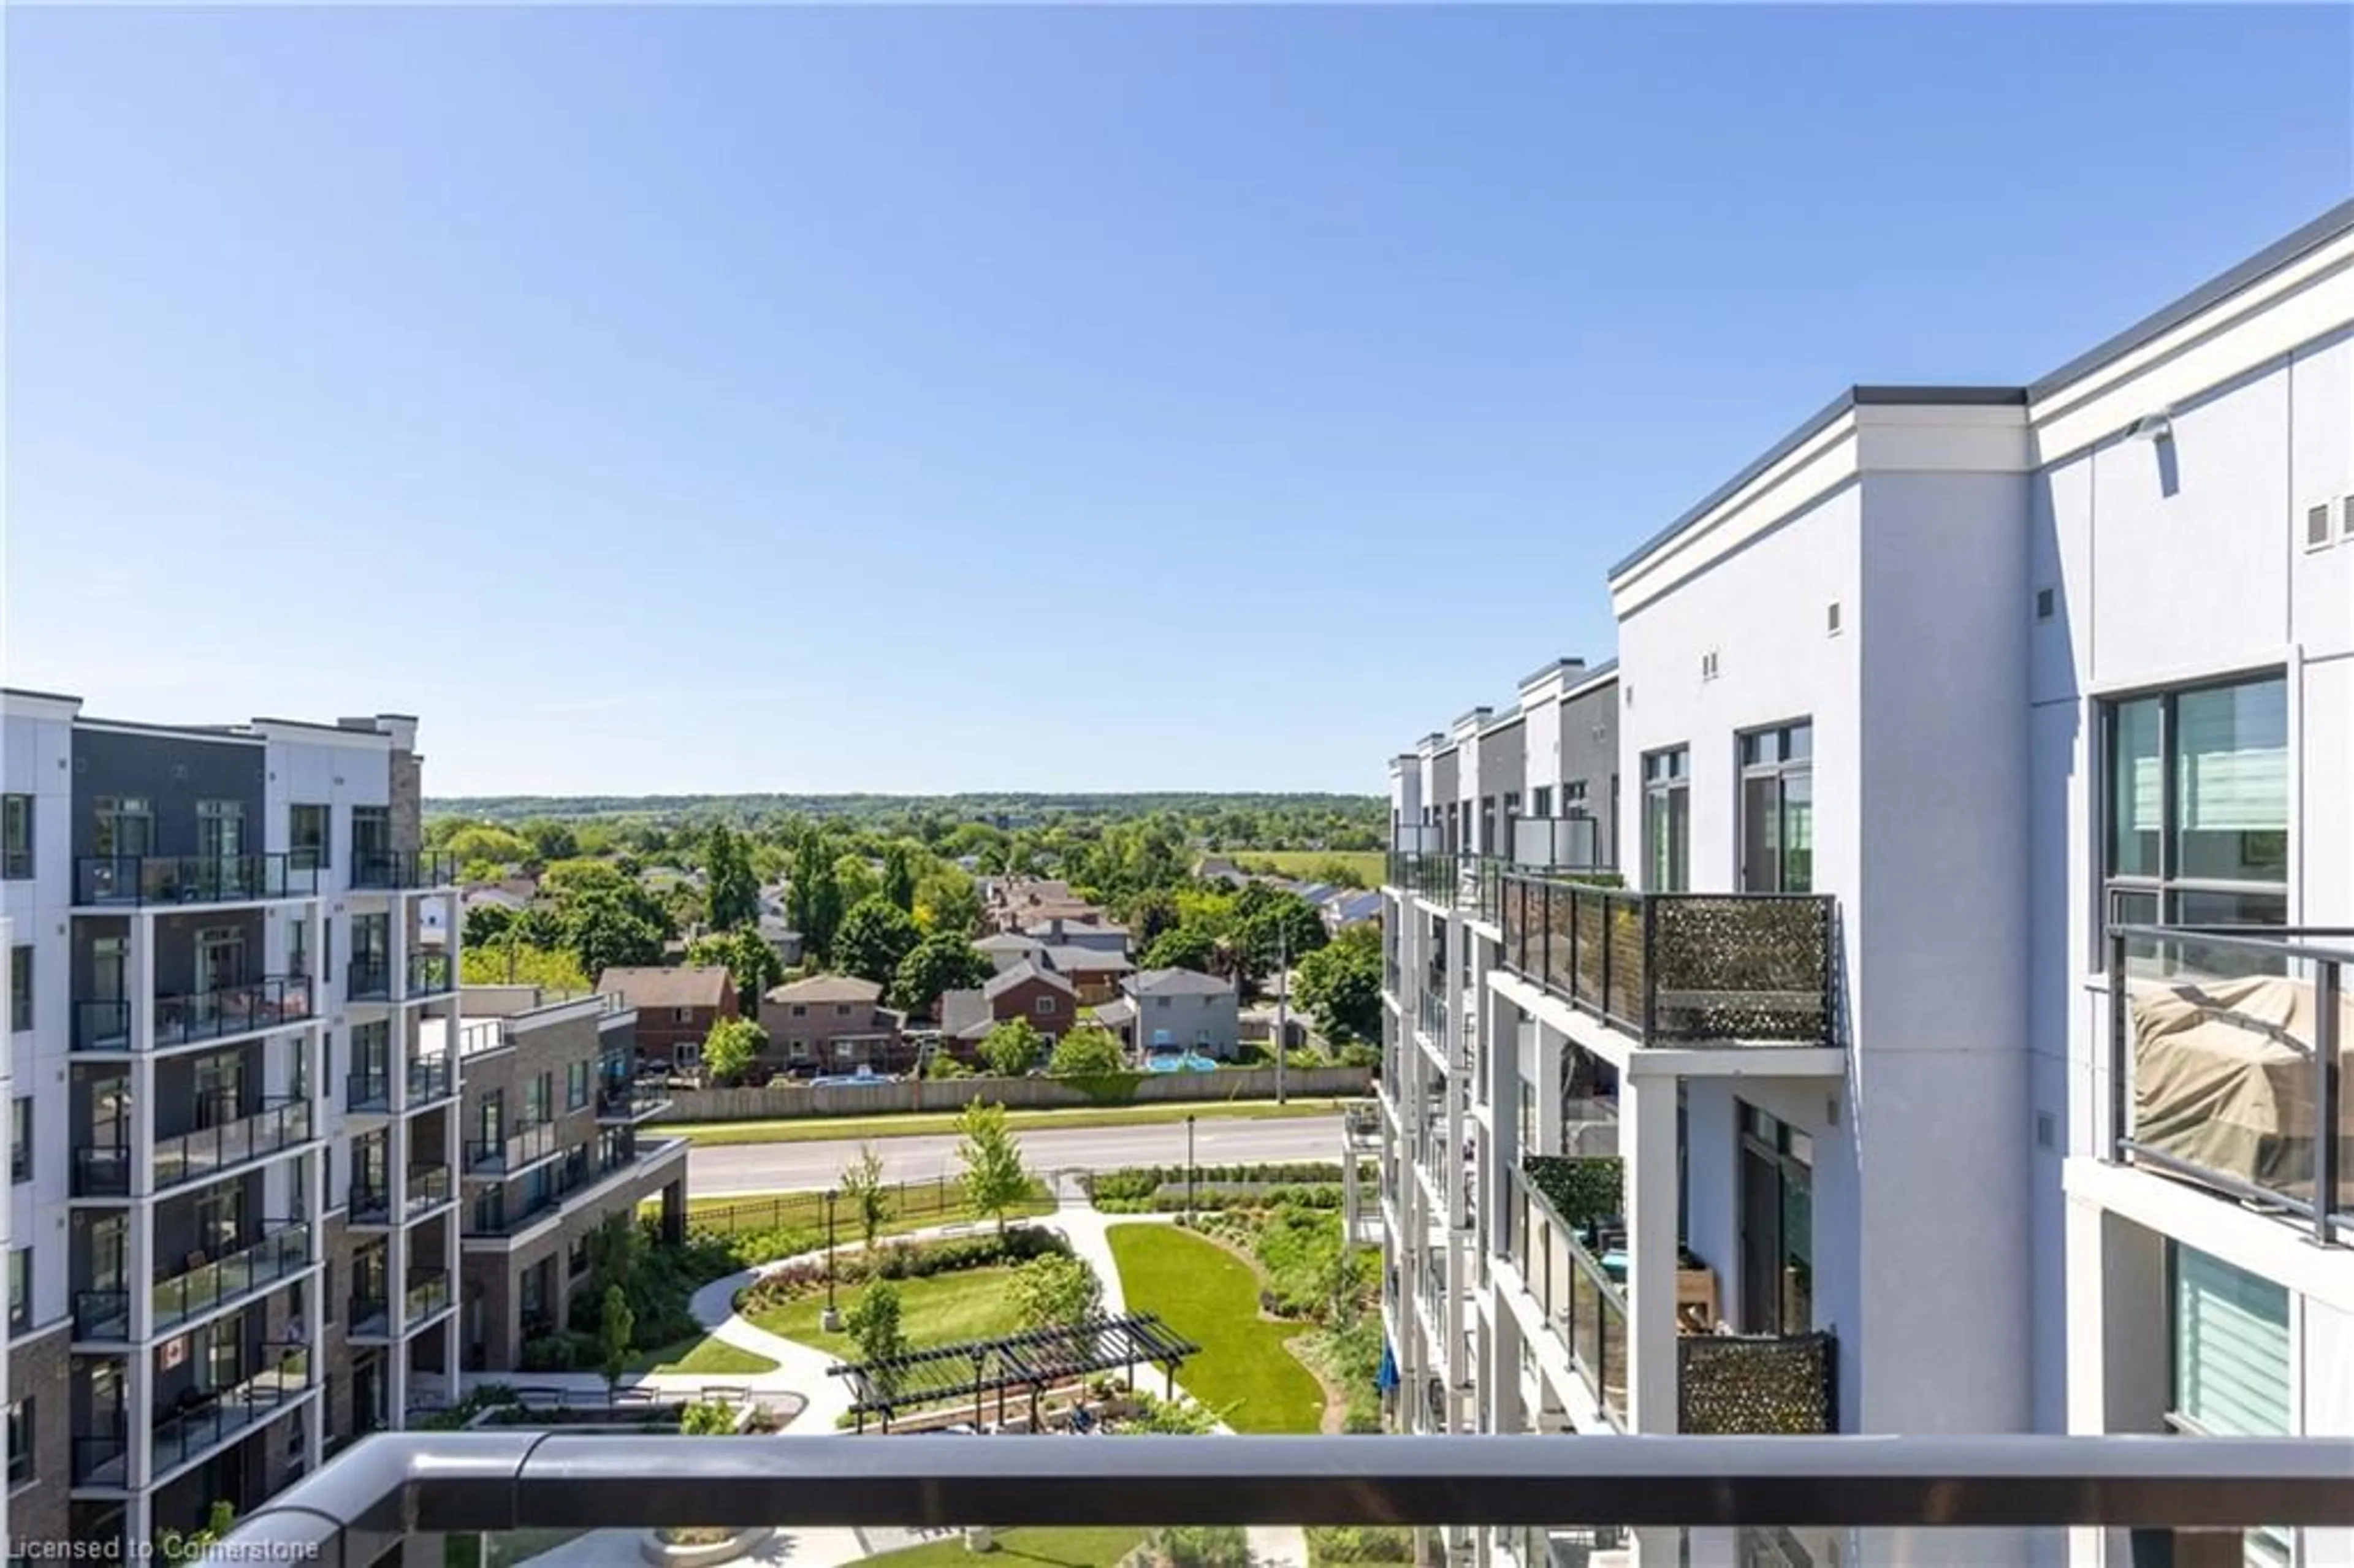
{"x": 830, "y": 1321}
{"x": 1189, "y": 1167}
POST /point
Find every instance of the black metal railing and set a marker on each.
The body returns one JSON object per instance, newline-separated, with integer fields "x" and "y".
{"x": 101, "y": 1171}
{"x": 377, "y": 869}
{"x": 268, "y": 1003}
{"x": 368, "y": 1315}
{"x": 451, "y": 1483}
{"x": 369, "y": 1203}
{"x": 369, "y": 1090}
{"x": 283, "y": 1250}
{"x": 505, "y": 1211}
{"x": 368, "y": 979}
{"x": 1582, "y": 1305}
{"x": 629, "y": 1101}
{"x": 503, "y": 1157}
{"x": 137, "y": 879}
{"x": 204, "y": 1422}
{"x": 1682, "y": 968}
{"x": 429, "y": 1188}
{"x": 102, "y": 1025}
{"x": 427, "y": 1293}
{"x": 279, "y": 1122}
{"x": 2256, "y": 1017}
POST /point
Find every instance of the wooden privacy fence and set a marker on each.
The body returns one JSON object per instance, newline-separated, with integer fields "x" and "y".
{"x": 789, "y": 1102}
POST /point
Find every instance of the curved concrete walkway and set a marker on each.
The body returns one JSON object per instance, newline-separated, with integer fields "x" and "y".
{"x": 801, "y": 1371}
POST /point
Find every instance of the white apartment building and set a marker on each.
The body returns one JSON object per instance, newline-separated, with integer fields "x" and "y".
{"x": 1927, "y": 720}
{"x": 227, "y": 1051}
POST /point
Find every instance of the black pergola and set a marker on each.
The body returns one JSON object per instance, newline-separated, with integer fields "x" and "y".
{"x": 1029, "y": 1362}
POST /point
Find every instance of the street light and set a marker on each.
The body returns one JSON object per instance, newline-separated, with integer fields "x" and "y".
{"x": 1189, "y": 1167}
{"x": 830, "y": 1321}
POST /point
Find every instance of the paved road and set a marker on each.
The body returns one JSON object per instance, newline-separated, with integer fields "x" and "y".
{"x": 794, "y": 1167}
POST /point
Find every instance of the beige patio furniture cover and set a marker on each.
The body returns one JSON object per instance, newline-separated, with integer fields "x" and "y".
{"x": 2224, "y": 1077}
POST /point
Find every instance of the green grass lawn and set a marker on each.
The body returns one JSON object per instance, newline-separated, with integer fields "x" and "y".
{"x": 970, "y": 1304}
{"x": 826, "y": 1129}
{"x": 1296, "y": 863}
{"x": 1049, "y": 1548}
{"x": 1211, "y": 1296}
{"x": 704, "y": 1356}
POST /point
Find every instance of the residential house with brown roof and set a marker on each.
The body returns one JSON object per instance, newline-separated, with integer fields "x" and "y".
{"x": 1029, "y": 990}
{"x": 833, "y": 1023}
{"x": 676, "y": 1007}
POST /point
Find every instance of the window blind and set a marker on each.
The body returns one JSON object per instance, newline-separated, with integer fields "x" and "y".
{"x": 2230, "y": 1347}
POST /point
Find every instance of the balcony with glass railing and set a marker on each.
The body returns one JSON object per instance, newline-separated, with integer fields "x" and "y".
{"x": 426, "y": 1297}
{"x": 431, "y": 974}
{"x": 2226, "y": 1065}
{"x": 191, "y": 1018}
{"x": 370, "y": 1203}
{"x": 430, "y": 1079}
{"x": 280, "y": 1123}
{"x": 282, "y": 1251}
{"x": 368, "y": 979}
{"x": 378, "y": 870}
{"x": 135, "y": 880}
{"x": 626, "y": 1101}
{"x": 497, "y": 1159}
{"x": 206, "y": 1421}
{"x": 1678, "y": 969}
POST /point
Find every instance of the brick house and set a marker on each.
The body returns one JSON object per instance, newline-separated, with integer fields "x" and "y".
{"x": 833, "y": 1023}
{"x": 675, "y": 1007}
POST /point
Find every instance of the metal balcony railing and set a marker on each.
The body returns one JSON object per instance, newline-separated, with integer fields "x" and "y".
{"x": 1680, "y": 969}
{"x": 1581, "y": 1305}
{"x": 103, "y": 1315}
{"x": 101, "y": 1171}
{"x": 368, "y": 979}
{"x": 427, "y": 1293}
{"x": 2226, "y": 1064}
{"x": 101, "y": 1460}
{"x": 284, "y": 1249}
{"x": 431, "y": 1079}
{"x": 628, "y": 1102}
{"x": 206, "y": 1421}
{"x": 377, "y": 869}
{"x": 429, "y": 1188}
{"x": 368, "y": 1091}
{"x": 269, "y": 1003}
{"x": 280, "y": 1123}
{"x": 135, "y": 879}
{"x": 370, "y": 1499}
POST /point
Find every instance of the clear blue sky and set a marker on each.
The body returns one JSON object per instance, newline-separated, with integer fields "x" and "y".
{"x": 923, "y": 400}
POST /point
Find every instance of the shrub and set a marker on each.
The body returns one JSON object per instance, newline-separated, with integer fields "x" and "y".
{"x": 708, "y": 1418}
{"x": 1359, "y": 1543}
{"x": 1197, "y": 1546}
{"x": 563, "y": 1350}
{"x": 899, "y": 1260}
{"x": 1055, "y": 1289}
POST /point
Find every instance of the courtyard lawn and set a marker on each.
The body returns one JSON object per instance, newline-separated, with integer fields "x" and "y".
{"x": 970, "y": 1304}
{"x": 1245, "y": 1370}
{"x": 704, "y": 1355}
{"x": 1071, "y": 1547}
{"x": 913, "y": 1124}
{"x": 916, "y": 1205}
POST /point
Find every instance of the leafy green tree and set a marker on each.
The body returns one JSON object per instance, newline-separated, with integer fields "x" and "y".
{"x": 1011, "y": 1047}
{"x": 552, "y": 840}
{"x": 943, "y": 961}
{"x": 481, "y": 841}
{"x": 869, "y": 1197}
{"x": 947, "y": 903}
{"x": 1087, "y": 1052}
{"x": 1183, "y": 948}
{"x": 1150, "y": 914}
{"x": 1053, "y": 1291}
{"x": 1340, "y": 986}
{"x": 874, "y": 936}
{"x": 488, "y": 924}
{"x": 748, "y": 959}
{"x": 1271, "y": 923}
{"x": 520, "y": 963}
{"x": 899, "y": 876}
{"x": 615, "y": 1324}
{"x": 994, "y": 1178}
{"x": 731, "y": 1048}
{"x": 813, "y": 898}
{"x": 708, "y": 1418}
{"x": 604, "y": 931}
{"x": 874, "y": 1325}
{"x": 732, "y": 891}
{"x": 857, "y": 880}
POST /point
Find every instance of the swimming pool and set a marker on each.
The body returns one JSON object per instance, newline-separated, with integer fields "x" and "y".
{"x": 1175, "y": 1061}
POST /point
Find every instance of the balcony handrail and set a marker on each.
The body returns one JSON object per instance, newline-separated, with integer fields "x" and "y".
{"x": 454, "y": 1482}
{"x": 403, "y": 868}
{"x": 2308, "y": 1167}
{"x": 270, "y": 1002}
{"x": 283, "y": 1244}
{"x": 142, "y": 879}
{"x": 176, "y": 1161}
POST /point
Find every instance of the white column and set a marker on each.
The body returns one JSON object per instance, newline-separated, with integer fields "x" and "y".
{"x": 1552, "y": 1047}
{"x": 398, "y": 910}
{"x": 1647, "y": 1144}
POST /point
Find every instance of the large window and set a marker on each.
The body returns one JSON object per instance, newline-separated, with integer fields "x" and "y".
{"x": 124, "y": 825}
{"x": 1667, "y": 820}
{"x": 20, "y": 1289}
{"x": 20, "y": 1442}
{"x": 15, "y": 837}
{"x": 2228, "y": 1363}
{"x": 1777, "y": 1226}
{"x": 2198, "y": 787}
{"x": 306, "y": 835}
{"x": 20, "y": 989}
{"x": 20, "y": 1136}
{"x": 1777, "y": 809}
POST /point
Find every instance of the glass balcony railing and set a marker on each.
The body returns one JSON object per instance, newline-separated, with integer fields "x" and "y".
{"x": 2254, "y": 1020}
{"x": 430, "y": 974}
{"x": 103, "y": 1315}
{"x": 628, "y": 1102}
{"x": 135, "y": 879}
{"x": 429, "y": 1188}
{"x": 368, "y": 1091}
{"x": 430, "y": 1079}
{"x": 101, "y": 1460}
{"x": 101, "y": 1171}
{"x": 201, "y": 1423}
{"x": 102, "y": 1025}
{"x": 371, "y": 1202}
{"x": 1581, "y": 1308}
{"x": 504, "y": 1157}
{"x": 376, "y": 868}
{"x": 368, "y": 979}
{"x": 427, "y": 1293}
{"x": 269, "y": 1003}
{"x": 283, "y": 1250}
{"x": 1681, "y": 968}
{"x": 194, "y": 1156}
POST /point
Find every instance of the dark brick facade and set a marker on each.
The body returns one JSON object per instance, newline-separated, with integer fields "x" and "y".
{"x": 39, "y": 1370}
